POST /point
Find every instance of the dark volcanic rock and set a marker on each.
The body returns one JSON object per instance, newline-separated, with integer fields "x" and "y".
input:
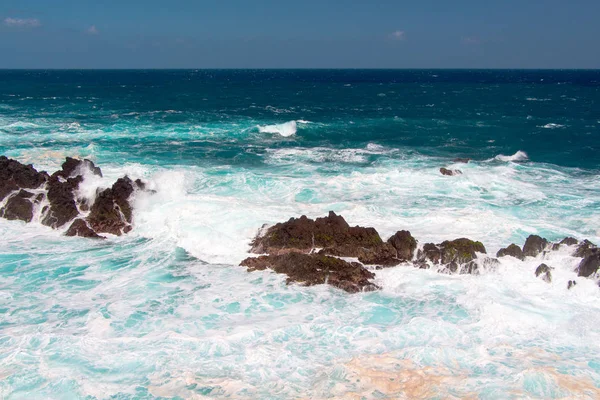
{"x": 111, "y": 212}
{"x": 569, "y": 241}
{"x": 585, "y": 248}
{"x": 534, "y": 245}
{"x": 73, "y": 167}
{"x": 62, "y": 201}
{"x": 18, "y": 207}
{"x": 544, "y": 272}
{"x": 455, "y": 255}
{"x": 590, "y": 264}
{"x": 385, "y": 255}
{"x": 450, "y": 172}
{"x": 315, "y": 269}
{"x": 303, "y": 234}
{"x": 512, "y": 250}
{"x": 80, "y": 228}
{"x": 404, "y": 244}
{"x": 571, "y": 284}
{"x": 14, "y": 175}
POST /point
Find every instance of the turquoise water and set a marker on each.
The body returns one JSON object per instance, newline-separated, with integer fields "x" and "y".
{"x": 165, "y": 312}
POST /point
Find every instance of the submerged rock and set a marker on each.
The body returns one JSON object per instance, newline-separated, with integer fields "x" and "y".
{"x": 332, "y": 233}
{"x": 512, "y": 250}
{"x": 544, "y": 273}
{"x": 461, "y": 160}
{"x": 315, "y": 269}
{"x": 458, "y": 255}
{"x": 450, "y": 172}
{"x": 534, "y": 245}
{"x": 80, "y": 228}
{"x": 571, "y": 284}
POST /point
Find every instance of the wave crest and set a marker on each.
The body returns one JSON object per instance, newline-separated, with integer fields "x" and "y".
{"x": 519, "y": 156}
{"x": 286, "y": 129}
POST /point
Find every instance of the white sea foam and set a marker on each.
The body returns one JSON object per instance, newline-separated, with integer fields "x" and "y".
{"x": 285, "y": 129}
{"x": 552, "y": 126}
{"x": 519, "y": 156}
{"x": 110, "y": 317}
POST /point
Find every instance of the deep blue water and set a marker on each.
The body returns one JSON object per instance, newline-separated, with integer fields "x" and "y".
{"x": 551, "y": 115}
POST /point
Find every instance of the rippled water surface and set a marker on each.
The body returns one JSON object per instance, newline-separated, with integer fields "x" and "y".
{"x": 165, "y": 312}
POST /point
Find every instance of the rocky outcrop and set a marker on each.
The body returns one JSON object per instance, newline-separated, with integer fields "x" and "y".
{"x": 61, "y": 197}
{"x": 512, "y": 250}
{"x": 61, "y": 191}
{"x": 404, "y": 244}
{"x": 19, "y": 207}
{"x": 80, "y": 228}
{"x": 544, "y": 273}
{"x": 571, "y": 284}
{"x": 585, "y": 248}
{"x": 569, "y": 241}
{"x": 590, "y": 264}
{"x": 315, "y": 269}
{"x": 458, "y": 255}
{"x": 534, "y": 245}
{"x": 15, "y": 176}
{"x": 450, "y": 172}
{"x": 304, "y": 234}
{"x": 111, "y": 212}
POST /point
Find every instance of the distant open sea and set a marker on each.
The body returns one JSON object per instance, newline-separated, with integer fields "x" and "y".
{"x": 165, "y": 312}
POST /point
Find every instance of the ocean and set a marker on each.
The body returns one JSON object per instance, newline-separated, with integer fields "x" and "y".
{"x": 166, "y": 312}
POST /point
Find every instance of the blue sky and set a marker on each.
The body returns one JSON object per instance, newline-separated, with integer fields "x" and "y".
{"x": 299, "y": 34}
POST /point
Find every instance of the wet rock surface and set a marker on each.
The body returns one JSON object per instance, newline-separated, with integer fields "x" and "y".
{"x": 19, "y": 207}
{"x": 111, "y": 211}
{"x": 534, "y": 245}
{"x": 590, "y": 264}
{"x": 15, "y": 176}
{"x": 457, "y": 255}
{"x": 315, "y": 269}
{"x": 80, "y": 228}
{"x": 512, "y": 250}
{"x": 544, "y": 272}
{"x": 331, "y": 233}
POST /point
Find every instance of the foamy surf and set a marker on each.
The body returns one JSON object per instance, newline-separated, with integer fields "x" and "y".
{"x": 519, "y": 156}
{"x": 167, "y": 311}
{"x": 286, "y": 129}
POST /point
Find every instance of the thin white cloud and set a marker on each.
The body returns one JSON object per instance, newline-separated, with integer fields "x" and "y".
{"x": 92, "y": 30}
{"x": 398, "y": 35}
{"x": 22, "y": 22}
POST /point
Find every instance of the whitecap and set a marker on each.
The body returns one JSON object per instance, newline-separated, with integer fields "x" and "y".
{"x": 517, "y": 157}
{"x": 286, "y": 129}
{"x": 552, "y": 126}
